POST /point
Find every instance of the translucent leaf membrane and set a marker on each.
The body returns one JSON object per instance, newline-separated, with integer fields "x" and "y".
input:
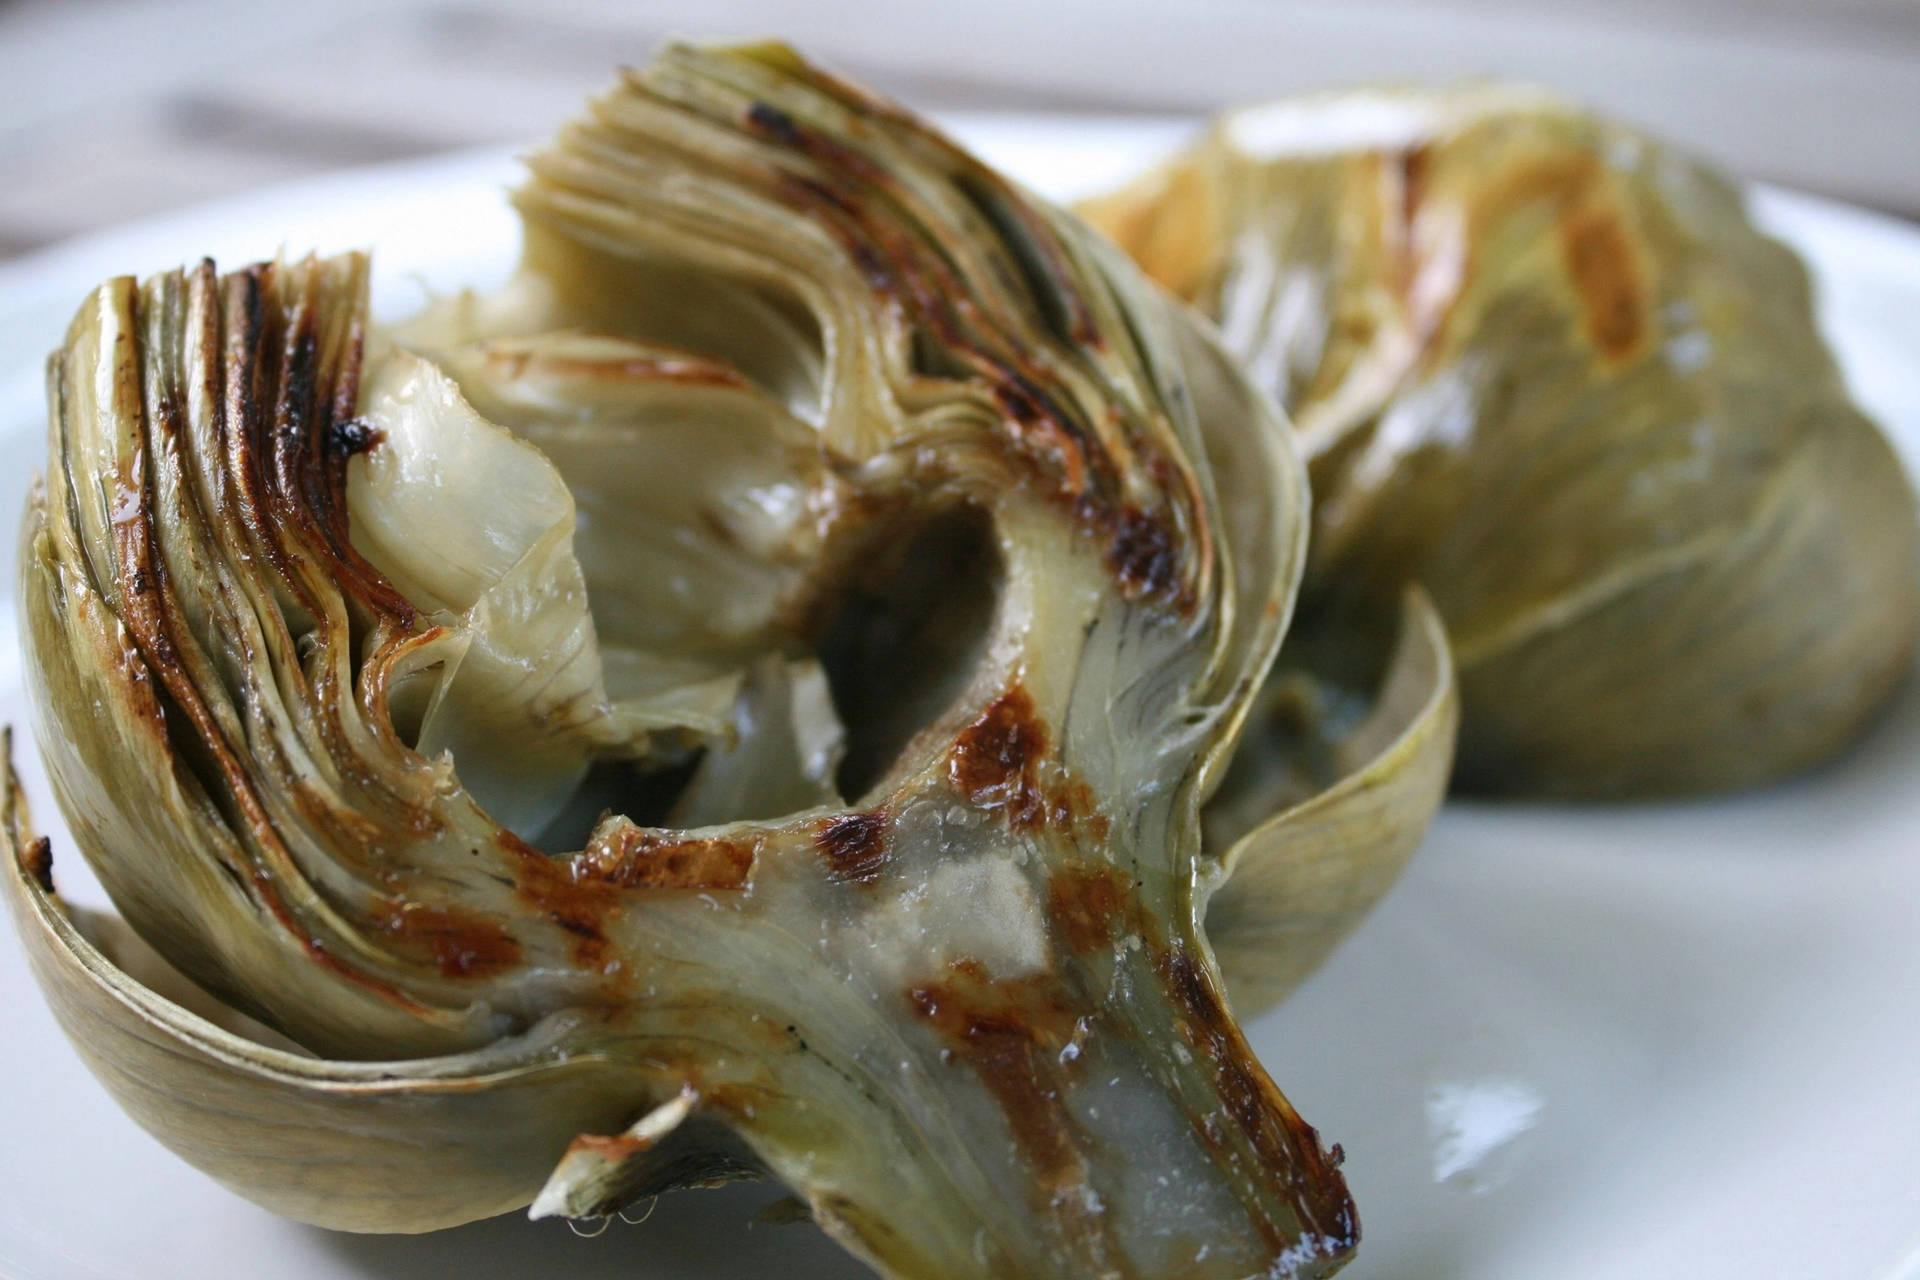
{"x": 476, "y": 528}
{"x": 738, "y": 702}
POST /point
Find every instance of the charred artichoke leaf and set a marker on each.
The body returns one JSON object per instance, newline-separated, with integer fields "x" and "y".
{"x": 1547, "y": 367}
{"x": 830, "y": 404}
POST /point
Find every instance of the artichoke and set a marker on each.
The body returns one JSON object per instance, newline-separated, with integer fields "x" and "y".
{"x": 1547, "y": 368}
{"x": 758, "y": 695}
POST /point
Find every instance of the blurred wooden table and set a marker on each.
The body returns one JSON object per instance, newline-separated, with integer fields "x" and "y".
{"x": 112, "y": 109}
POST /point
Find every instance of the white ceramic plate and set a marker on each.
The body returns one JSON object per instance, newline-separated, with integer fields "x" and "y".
{"x": 1666, "y": 1041}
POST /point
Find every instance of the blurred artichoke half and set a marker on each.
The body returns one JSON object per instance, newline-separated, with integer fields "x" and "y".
{"x": 744, "y": 699}
{"x": 1547, "y": 368}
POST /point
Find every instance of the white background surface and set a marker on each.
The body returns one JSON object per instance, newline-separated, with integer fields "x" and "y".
{"x": 1673, "y": 1041}
{"x": 115, "y": 109}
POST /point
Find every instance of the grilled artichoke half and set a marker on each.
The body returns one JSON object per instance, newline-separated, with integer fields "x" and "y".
{"x": 1547, "y": 368}
{"x": 739, "y": 700}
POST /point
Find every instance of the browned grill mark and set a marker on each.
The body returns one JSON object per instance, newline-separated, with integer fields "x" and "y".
{"x": 995, "y": 761}
{"x": 1069, "y": 459}
{"x": 618, "y": 1148}
{"x": 613, "y": 1148}
{"x": 148, "y": 604}
{"x": 1010, "y": 1033}
{"x": 1415, "y": 167}
{"x": 459, "y": 944}
{"x": 1042, "y": 421}
{"x": 357, "y": 838}
{"x": 1267, "y": 1123}
{"x": 1596, "y": 242}
{"x": 639, "y": 858}
{"x": 1001, "y": 763}
{"x": 354, "y": 436}
{"x": 250, "y": 373}
{"x": 1038, "y": 262}
{"x": 855, "y": 845}
{"x": 581, "y": 893}
{"x": 36, "y": 859}
{"x": 772, "y": 123}
{"x": 578, "y": 903}
{"x": 1086, "y": 900}
{"x": 280, "y": 403}
{"x": 1071, "y": 807}
{"x": 1410, "y": 170}
{"x": 308, "y": 498}
{"x": 1598, "y": 251}
{"x": 1145, "y": 555}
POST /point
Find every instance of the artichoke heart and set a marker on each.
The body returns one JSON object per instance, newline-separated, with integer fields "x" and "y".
{"x": 775, "y": 690}
{"x": 1547, "y": 368}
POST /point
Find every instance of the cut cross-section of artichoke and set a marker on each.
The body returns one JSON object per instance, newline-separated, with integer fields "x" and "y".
{"x": 738, "y": 701}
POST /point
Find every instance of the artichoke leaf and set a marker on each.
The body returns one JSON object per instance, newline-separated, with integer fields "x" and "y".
{"x": 1548, "y": 368}
{"x": 367, "y": 1146}
{"x": 518, "y": 694}
{"x": 672, "y": 1147}
{"x": 1341, "y": 808}
{"x": 1312, "y": 835}
{"x": 699, "y": 496}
